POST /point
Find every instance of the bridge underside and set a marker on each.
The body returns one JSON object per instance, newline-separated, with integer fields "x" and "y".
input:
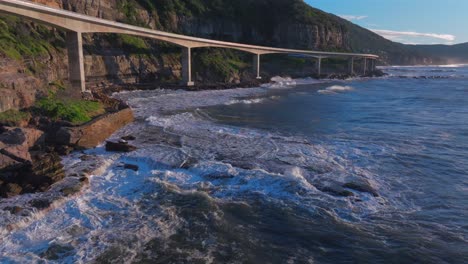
{"x": 76, "y": 24}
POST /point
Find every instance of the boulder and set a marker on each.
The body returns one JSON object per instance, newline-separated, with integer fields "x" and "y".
{"x": 128, "y": 138}
{"x": 361, "y": 185}
{"x": 63, "y": 150}
{"x": 131, "y": 167}
{"x": 46, "y": 169}
{"x": 6, "y": 161}
{"x": 40, "y": 203}
{"x": 13, "y": 136}
{"x": 19, "y": 153}
{"x": 333, "y": 188}
{"x": 38, "y": 174}
{"x": 33, "y": 136}
{"x": 13, "y": 209}
{"x": 10, "y": 190}
{"x": 119, "y": 146}
{"x": 21, "y": 136}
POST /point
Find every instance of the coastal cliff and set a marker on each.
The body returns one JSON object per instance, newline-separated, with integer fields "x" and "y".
{"x": 34, "y": 61}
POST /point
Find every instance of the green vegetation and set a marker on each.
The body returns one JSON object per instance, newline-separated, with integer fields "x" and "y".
{"x": 286, "y": 61}
{"x": 219, "y": 62}
{"x": 71, "y": 110}
{"x": 134, "y": 44}
{"x": 19, "y": 40}
{"x": 58, "y": 84}
{"x": 14, "y": 117}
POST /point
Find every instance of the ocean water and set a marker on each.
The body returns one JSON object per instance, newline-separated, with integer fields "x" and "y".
{"x": 298, "y": 171}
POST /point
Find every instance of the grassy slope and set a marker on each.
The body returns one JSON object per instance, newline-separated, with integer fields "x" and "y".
{"x": 20, "y": 40}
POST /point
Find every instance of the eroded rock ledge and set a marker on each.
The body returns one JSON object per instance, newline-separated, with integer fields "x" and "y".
{"x": 30, "y": 159}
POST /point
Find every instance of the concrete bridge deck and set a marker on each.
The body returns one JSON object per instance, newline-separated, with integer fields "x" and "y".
{"x": 76, "y": 24}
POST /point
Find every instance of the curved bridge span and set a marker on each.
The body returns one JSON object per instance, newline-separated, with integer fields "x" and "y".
{"x": 76, "y": 24}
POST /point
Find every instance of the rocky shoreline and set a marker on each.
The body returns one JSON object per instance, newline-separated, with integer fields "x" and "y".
{"x": 32, "y": 177}
{"x": 30, "y": 154}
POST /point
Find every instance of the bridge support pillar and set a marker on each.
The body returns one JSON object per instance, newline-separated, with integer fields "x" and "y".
{"x": 372, "y": 68}
{"x": 364, "y": 66}
{"x": 256, "y": 66}
{"x": 187, "y": 67}
{"x": 319, "y": 66}
{"x": 76, "y": 61}
{"x": 351, "y": 66}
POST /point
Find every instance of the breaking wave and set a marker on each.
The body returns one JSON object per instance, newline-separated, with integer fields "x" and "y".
{"x": 336, "y": 89}
{"x": 278, "y": 82}
{"x": 200, "y": 191}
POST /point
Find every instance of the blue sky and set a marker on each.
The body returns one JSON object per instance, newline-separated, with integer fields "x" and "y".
{"x": 406, "y": 21}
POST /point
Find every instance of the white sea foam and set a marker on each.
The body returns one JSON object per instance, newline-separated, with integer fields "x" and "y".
{"x": 125, "y": 209}
{"x": 335, "y": 89}
{"x": 278, "y": 82}
{"x": 245, "y": 101}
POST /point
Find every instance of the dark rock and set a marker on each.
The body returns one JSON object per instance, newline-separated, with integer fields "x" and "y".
{"x": 6, "y": 161}
{"x": 27, "y": 137}
{"x": 219, "y": 175}
{"x": 131, "y": 167}
{"x": 40, "y": 204}
{"x": 361, "y": 185}
{"x": 189, "y": 162}
{"x": 43, "y": 170}
{"x": 63, "y": 150}
{"x": 10, "y": 190}
{"x": 47, "y": 169}
{"x": 19, "y": 153}
{"x": 84, "y": 180}
{"x": 13, "y": 136}
{"x": 376, "y": 73}
{"x": 335, "y": 190}
{"x": 86, "y": 157}
{"x": 71, "y": 190}
{"x": 119, "y": 147}
{"x": 58, "y": 252}
{"x": 128, "y": 138}
{"x": 13, "y": 209}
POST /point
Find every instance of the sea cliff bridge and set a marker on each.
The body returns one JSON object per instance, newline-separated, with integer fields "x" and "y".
{"x": 76, "y": 24}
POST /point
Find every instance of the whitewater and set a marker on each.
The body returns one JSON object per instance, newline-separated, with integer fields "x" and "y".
{"x": 296, "y": 171}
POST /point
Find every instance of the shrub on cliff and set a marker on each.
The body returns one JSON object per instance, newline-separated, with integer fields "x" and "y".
{"x": 14, "y": 118}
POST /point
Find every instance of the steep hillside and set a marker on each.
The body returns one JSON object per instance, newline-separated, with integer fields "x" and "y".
{"x": 451, "y": 53}
{"x": 281, "y": 23}
{"x": 33, "y": 57}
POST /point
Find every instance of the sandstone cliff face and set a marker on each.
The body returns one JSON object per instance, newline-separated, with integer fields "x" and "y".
{"x": 107, "y": 61}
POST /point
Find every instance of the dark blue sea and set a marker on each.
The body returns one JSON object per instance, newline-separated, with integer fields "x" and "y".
{"x": 297, "y": 171}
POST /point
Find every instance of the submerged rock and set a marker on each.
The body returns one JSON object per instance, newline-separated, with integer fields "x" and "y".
{"x": 40, "y": 203}
{"x": 334, "y": 189}
{"x": 119, "y": 146}
{"x": 361, "y": 185}
{"x": 128, "y": 138}
{"x": 13, "y": 209}
{"x": 57, "y": 251}
{"x": 131, "y": 167}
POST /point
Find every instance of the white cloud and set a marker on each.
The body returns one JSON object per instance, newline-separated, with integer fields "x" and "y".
{"x": 397, "y": 35}
{"x": 350, "y": 17}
